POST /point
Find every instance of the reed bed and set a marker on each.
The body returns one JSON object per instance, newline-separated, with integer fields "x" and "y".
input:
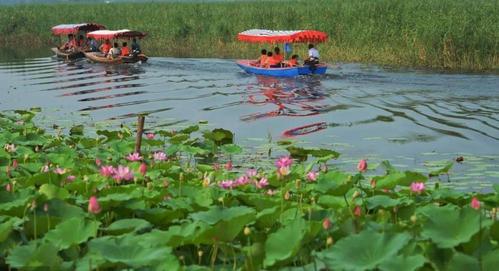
{"x": 443, "y": 34}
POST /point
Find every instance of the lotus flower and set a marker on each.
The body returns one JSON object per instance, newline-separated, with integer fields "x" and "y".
{"x": 242, "y": 180}
{"x": 93, "y": 205}
{"x": 70, "y": 178}
{"x": 8, "y": 187}
{"x": 362, "y": 165}
{"x": 312, "y": 176}
{"x": 150, "y": 135}
{"x": 228, "y": 165}
{"x": 159, "y": 156}
{"x": 262, "y": 183}
{"x": 59, "y": 171}
{"x": 107, "y": 171}
{"x": 326, "y": 223}
{"x": 357, "y": 211}
{"x": 134, "y": 157}
{"x": 227, "y": 184}
{"x": 284, "y": 161}
{"x": 122, "y": 173}
{"x": 475, "y": 203}
{"x": 143, "y": 169}
{"x": 98, "y": 162}
{"x": 45, "y": 168}
{"x": 271, "y": 192}
{"x": 283, "y": 171}
{"x": 10, "y": 147}
{"x": 251, "y": 172}
{"x": 14, "y": 164}
{"x": 417, "y": 187}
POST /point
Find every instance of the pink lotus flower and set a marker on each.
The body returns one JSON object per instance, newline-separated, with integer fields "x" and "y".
{"x": 242, "y": 180}
{"x": 228, "y": 165}
{"x": 122, "y": 173}
{"x": 14, "y": 164}
{"x": 143, "y": 169}
{"x": 357, "y": 211}
{"x": 475, "y": 203}
{"x": 8, "y": 187}
{"x": 417, "y": 187}
{"x": 93, "y": 205}
{"x": 262, "y": 183}
{"x": 134, "y": 157}
{"x": 362, "y": 165}
{"x": 283, "y": 171}
{"x": 70, "y": 178}
{"x": 159, "y": 156}
{"x": 150, "y": 135}
{"x": 271, "y": 192}
{"x": 107, "y": 171}
{"x": 284, "y": 161}
{"x": 227, "y": 184}
{"x": 98, "y": 162}
{"x": 251, "y": 172}
{"x": 45, "y": 168}
{"x": 312, "y": 176}
{"x": 59, "y": 171}
{"x": 326, "y": 223}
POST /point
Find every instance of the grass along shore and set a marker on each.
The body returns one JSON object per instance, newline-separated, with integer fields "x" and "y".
{"x": 444, "y": 34}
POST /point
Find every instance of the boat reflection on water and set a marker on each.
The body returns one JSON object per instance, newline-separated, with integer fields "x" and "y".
{"x": 292, "y": 97}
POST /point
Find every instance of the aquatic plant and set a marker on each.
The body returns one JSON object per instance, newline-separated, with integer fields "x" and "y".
{"x": 184, "y": 213}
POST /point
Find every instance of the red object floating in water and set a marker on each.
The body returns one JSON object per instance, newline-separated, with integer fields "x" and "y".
{"x": 306, "y": 129}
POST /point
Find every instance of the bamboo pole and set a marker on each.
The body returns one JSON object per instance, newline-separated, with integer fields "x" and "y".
{"x": 140, "y": 130}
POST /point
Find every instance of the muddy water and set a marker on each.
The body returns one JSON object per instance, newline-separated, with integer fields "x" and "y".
{"x": 415, "y": 119}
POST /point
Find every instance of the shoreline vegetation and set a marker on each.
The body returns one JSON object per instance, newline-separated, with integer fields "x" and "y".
{"x": 446, "y": 34}
{"x": 72, "y": 202}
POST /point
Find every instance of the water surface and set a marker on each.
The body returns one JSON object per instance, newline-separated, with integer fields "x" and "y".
{"x": 415, "y": 119}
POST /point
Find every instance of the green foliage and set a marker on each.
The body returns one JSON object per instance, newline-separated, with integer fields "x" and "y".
{"x": 178, "y": 216}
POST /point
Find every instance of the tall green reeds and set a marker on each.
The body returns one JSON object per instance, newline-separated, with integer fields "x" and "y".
{"x": 448, "y": 34}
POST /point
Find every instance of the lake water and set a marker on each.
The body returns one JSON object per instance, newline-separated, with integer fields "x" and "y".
{"x": 416, "y": 119}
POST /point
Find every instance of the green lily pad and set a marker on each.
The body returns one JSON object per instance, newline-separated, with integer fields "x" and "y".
{"x": 285, "y": 243}
{"x": 73, "y": 231}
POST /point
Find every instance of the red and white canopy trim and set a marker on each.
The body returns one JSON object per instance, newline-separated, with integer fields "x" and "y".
{"x": 276, "y": 36}
{"x": 65, "y": 29}
{"x": 115, "y": 34}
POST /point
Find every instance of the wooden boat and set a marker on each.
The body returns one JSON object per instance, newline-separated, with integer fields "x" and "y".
{"x": 115, "y": 34}
{"x": 248, "y": 67}
{"x": 272, "y": 37}
{"x": 101, "y": 58}
{"x": 73, "y": 29}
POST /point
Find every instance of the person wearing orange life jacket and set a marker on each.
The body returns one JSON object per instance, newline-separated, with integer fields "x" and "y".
{"x": 105, "y": 47}
{"x": 277, "y": 56}
{"x": 271, "y": 62}
{"x": 124, "y": 50}
{"x": 262, "y": 59}
{"x": 293, "y": 62}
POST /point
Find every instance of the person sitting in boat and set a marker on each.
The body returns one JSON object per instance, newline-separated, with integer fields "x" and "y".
{"x": 293, "y": 62}
{"x": 261, "y": 60}
{"x": 114, "y": 52}
{"x": 80, "y": 42}
{"x": 124, "y": 49}
{"x": 135, "y": 47}
{"x": 105, "y": 47}
{"x": 271, "y": 62}
{"x": 313, "y": 56}
{"x": 277, "y": 56}
{"x": 92, "y": 45}
{"x": 70, "y": 44}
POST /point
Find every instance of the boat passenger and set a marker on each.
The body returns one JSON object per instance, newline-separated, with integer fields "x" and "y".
{"x": 80, "y": 42}
{"x": 124, "y": 49}
{"x": 293, "y": 62}
{"x": 261, "y": 60}
{"x": 114, "y": 52}
{"x": 313, "y": 56}
{"x": 70, "y": 43}
{"x": 135, "y": 47}
{"x": 105, "y": 47}
{"x": 92, "y": 44}
{"x": 271, "y": 62}
{"x": 277, "y": 56}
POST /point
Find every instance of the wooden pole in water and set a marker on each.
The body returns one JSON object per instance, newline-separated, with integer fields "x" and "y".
{"x": 140, "y": 130}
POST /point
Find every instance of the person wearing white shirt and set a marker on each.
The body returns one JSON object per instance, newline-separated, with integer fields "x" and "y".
{"x": 313, "y": 55}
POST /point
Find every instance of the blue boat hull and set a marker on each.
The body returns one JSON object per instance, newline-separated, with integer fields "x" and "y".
{"x": 281, "y": 72}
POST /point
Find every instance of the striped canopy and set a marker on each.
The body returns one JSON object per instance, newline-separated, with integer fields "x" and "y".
{"x": 65, "y": 29}
{"x": 277, "y": 36}
{"x": 115, "y": 34}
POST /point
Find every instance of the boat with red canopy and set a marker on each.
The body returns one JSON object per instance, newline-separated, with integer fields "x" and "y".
{"x": 123, "y": 34}
{"x": 276, "y": 36}
{"x": 73, "y": 29}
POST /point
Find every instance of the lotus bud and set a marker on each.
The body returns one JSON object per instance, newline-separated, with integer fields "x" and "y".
{"x": 228, "y": 165}
{"x": 475, "y": 203}
{"x": 8, "y": 187}
{"x": 287, "y": 195}
{"x": 329, "y": 241}
{"x": 93, "y": 205}
{"x": 247, "y": 231}
{"x": 150, "y": 135}
{"x": 200, "y": 253}
{"x": 355, "y": 194}
{"x": 14, "y": 164}
{"x": 362, "y": 165}
{"x": 414, "y": 219}
{"x": 326, "y": 224}
{"x": 357, "y": 211}
{"x": 98, "y": 162}
{"x": 45, "y": 208}
{"x": 373, "y": 183}
{"x": 143, "y": 169}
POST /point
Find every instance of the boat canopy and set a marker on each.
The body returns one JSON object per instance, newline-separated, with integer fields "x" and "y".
{"x": 115, "y": 34}
{"x": 277, "y": 36}
{"x": 65, "y": 29}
